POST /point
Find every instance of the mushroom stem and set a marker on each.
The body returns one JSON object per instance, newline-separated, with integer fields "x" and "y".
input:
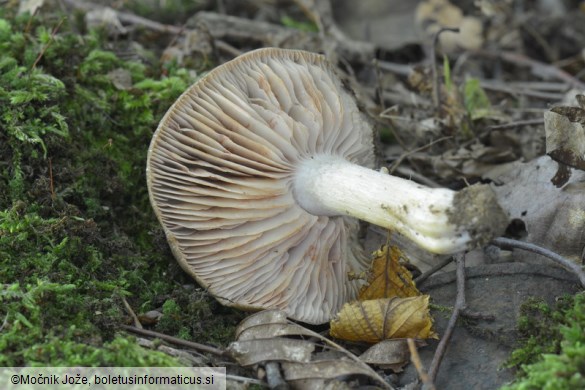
{"x": 437, "y": 219}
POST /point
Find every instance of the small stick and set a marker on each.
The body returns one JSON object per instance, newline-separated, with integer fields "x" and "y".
{"x": 4, "y": 323}
{"x": 353, "y": 357}
{"x": 44, "y": 49}
{"x": 30, "y": 19}
{"x": 436, "y": 88}
{"x": 537, "y": 67}
{"x": 51, "y": 179}
{"x": 511, "y": 125}
{"x": 399, "y": 160}
{"x": 434, "y": 269}
{"x": 379, "y": 88}
{"x": 563, "y": 262}
{"x": 415, "y": 359}
{"x": 459, "y": 306}
{"x": 246, "y": 381}
{"x": 132, "y": 314}
{"x": 500, "y": 87}
{"x": 175, "y": 340}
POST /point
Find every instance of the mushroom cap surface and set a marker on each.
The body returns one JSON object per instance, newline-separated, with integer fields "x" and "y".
{"x": 220, "y": 174}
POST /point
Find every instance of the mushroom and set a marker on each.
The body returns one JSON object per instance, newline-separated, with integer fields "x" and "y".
{"x": 258, "y": 172}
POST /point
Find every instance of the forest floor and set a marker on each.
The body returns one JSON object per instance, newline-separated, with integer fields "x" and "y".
{"x": 85, "y": 265}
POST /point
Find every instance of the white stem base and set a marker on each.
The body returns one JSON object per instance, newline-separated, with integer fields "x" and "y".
{"x": 331, "y": 186}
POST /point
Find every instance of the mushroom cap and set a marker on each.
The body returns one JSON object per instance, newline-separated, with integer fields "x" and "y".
{"x": 220, "y": 174}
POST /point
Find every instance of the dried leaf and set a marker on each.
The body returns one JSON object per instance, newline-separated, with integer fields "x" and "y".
{"x": 251, "y": 352}
{"x": 388, "y": 278}
{"x": 375, "y": 320}
{"x": 325, "y": 369}
{"x": 565, "y": 134}
{"x": 261, "y": 318}
{"x": 393, "y": 354}
{"x": 266, "y": 331}
{"x": 549, "y": 216}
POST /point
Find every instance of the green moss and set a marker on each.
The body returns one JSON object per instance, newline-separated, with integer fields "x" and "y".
{"x": 77, "y": 233}
{"x": 552, "y": 351}
{"x": 198, "y": 319}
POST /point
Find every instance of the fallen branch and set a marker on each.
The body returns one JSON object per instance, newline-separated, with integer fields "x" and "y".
{"x": 460, "y": 305}
{"x": 567, "y": 264}
{"x": 176, "y": 341}
{"x": 538, "y": 68}
{"x": 415, "y": 359}
{"x": 132, "y": 314}
{"x": 445, "y": 262}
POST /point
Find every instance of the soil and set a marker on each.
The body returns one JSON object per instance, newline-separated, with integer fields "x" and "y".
{"x": 479, "y": 348}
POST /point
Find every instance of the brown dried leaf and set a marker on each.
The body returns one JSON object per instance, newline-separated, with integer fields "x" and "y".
{"x": 393, "y": 354}
{"x": 375, "y": 320}
{"x": 261, "y": 338}
{"x": 388, "y": 278}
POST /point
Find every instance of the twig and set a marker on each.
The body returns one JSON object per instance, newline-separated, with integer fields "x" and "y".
{"x": 51, "y": 39}
{"x": 4, "y": 323}
{"x": 379, "y": 89}
{"x": 511, "y": 125}
{"x": 413, "y": 175}
{"x": 126, "y": 17}
{"x": 135, "y": 319}
{"x": 436, "y": 84}
{"x": 171, "y": 351}
{"x": 415, "y": 359}
{"x": 358, "y": 361}
{"x": 434, "y": 269}
{"x": 399, "y": 160}
{"x": 459, "y": 306}
{"x": 227, "y": 48}
{"x": 175, "y": 340}
{"x": 392, "y": 67}
{"x": 245, "y": 381}
{"x": 567, "y": 264}
{"x": 537, "y": 67}
{"x": 51, "y": 179}
{"x": 545, "y": 86}
{"x": 510, "y": 89}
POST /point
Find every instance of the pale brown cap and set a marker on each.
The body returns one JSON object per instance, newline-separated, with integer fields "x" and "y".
{"x": 220, "y": 171}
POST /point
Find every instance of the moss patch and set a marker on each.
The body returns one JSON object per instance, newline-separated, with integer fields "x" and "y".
{"x": 77, "y": 234}
{"x": 552, "y": 350}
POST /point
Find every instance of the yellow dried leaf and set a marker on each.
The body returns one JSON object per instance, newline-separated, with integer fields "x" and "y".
{"x": 388, "y": 278}
{"x": 375, "y": 320}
